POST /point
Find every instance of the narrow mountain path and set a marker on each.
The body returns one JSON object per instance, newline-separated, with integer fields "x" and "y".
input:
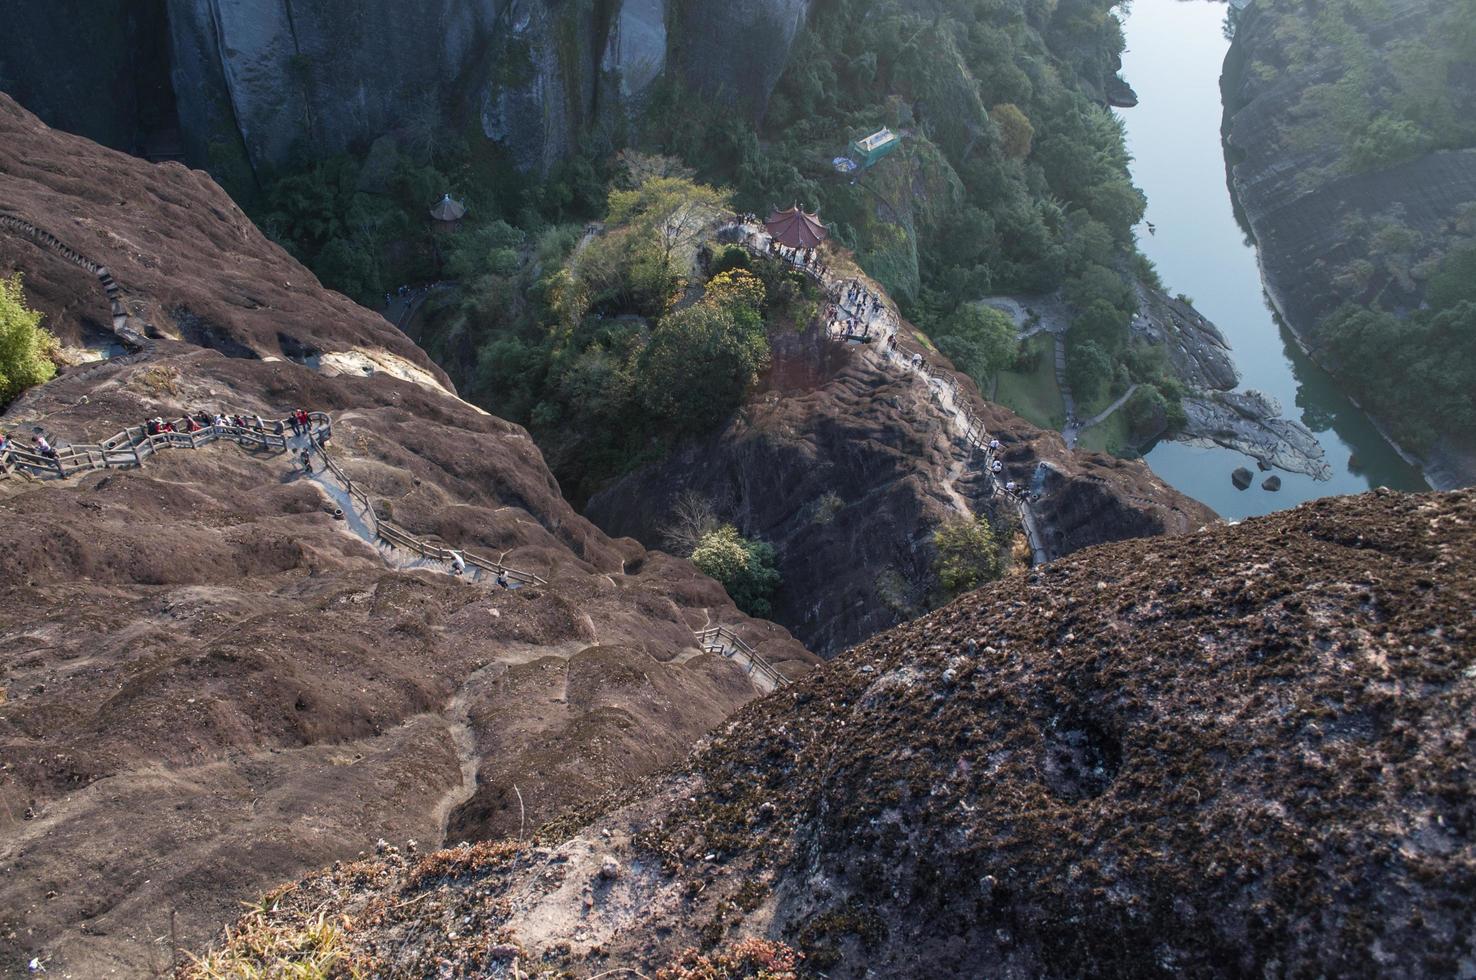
{"x": 1073, "y": 431}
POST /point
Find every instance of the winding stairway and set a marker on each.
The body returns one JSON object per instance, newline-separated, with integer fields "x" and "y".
{"x": 129, "y": 448}
{"x": 943, "y": 386}
{"x": 122, "y": 326}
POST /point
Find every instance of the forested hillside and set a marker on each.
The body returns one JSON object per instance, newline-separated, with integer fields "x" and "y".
{"x": 1351, "y": 130}
{"x": 1012, "y": 177}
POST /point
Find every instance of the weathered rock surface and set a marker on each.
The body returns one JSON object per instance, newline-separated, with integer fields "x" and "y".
{"x": 250, "y": 85}
{"x": 1250, "y": 422}
{"x": 1234, "y": 753}
{"x": 1195, "y": 347}
{"x": 209, "y": 683}
{"x": 847, "y": 466}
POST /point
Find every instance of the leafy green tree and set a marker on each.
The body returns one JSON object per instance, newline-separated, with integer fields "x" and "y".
{"x": 1454, "y": 279}
{"x": 980, "y": 340}
{"x": 349, "y": 269}
{"x": 1015, "y": 131}
{"x": 1096, "y": 283}
{"x": 492, "y": 247}
{"x": 669, "y": 214}
{"x": 699, "y": 364}
{"x": 1147, "y": 413}
{"x": 1102, "y": 324}
{"x": 25, "y": 347}
{"x": 966, "y": 555}
{"x": 744, "y": 567}
{"x": 1386, "y": 141}
{"x": 1089, "y": 371}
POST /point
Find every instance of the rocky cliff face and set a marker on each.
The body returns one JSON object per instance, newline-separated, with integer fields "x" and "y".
{"x": 209, "y": 682}
{"x": 847, "y": 466}
{"x": 246, "y": 86}
{"x": 1239, "y": 752}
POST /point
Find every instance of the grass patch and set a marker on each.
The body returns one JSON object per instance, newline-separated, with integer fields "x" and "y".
{"x": 1109, "y": 437}
{"x": 1034, "y": 395}
{"x": 261, "y": 947}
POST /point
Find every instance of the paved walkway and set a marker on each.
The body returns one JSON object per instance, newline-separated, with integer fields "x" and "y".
{"x": 1074, "y": 429}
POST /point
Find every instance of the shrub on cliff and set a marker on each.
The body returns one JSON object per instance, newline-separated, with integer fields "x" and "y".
{"x": 1015, "y": 131}
{"x": 745, "y": 567}
{"x": 25, "y": 348}
{"x": 967, "y": 556}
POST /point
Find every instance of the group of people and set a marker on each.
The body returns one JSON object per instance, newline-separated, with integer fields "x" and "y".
{"x": 202, "y": 420}
{"x": 851, "y": 310}
{"x": 805, "y": 258}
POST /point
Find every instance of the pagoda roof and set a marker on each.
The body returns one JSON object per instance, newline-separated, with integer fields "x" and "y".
{"x": 448, "y": 210}
{"x": 796, "y": 228}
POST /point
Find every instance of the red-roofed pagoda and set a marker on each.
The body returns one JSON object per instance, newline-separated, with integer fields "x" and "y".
{"x": 796, "y": 228}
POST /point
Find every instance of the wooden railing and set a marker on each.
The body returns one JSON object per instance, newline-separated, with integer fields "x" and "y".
{"x": 397, "y": 537}
{"x": 134, "y": 444}
{"x": 722, "y": 640}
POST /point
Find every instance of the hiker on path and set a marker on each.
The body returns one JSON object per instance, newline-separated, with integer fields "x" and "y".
{"x": 43, "y": 447}
{"x": 307, "y": 462}
{"x": 458, "y": 563}
{"x": 996, "y": 467}
{"x": 502, "y": 580}
{"x": 5, "y": 447}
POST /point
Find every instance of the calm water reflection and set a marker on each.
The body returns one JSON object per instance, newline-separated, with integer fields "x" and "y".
{"x": 1175, "y": 49}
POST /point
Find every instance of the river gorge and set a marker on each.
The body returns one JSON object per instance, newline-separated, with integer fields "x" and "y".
{"x": 1173, "y": 60}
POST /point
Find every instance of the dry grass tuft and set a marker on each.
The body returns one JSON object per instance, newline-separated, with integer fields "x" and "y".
{"x": 157, "y": 380}
{"x": 261, "y": 948}
{"x": 747, "y": 959}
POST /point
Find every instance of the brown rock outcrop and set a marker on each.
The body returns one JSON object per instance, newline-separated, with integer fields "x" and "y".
{"x": 210, "y": 684}
{"x": 847, "y": 466}
{"x": 1239, "y": 752}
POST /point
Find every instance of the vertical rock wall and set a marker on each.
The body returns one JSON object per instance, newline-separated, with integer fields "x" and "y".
{"x": 261, "y": 84}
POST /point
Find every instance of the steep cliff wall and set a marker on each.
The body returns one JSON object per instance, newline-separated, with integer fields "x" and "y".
{"x": 88, "y": 74}
{"x": 260, "y": 83}
{"x": 735, "y": 51}
{"x": 1307, "y": 204}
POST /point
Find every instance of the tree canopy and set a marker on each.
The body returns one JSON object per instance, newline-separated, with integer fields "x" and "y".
{"x": 25, "y": 347}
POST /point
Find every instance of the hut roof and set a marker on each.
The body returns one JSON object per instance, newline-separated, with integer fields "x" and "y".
{"x": 796, "y": 228}
{"x": 448, "y": 210}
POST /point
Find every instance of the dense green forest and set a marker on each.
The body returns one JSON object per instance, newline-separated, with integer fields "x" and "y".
{"x": 1384, "y": 94}
{"x": 1013, "y": 177}
{"x": 1382, "y": 84}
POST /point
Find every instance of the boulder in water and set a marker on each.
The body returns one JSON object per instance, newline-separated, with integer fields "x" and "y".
{"x": 1272, "y": 483}
{"x": 1241, "y": 478}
